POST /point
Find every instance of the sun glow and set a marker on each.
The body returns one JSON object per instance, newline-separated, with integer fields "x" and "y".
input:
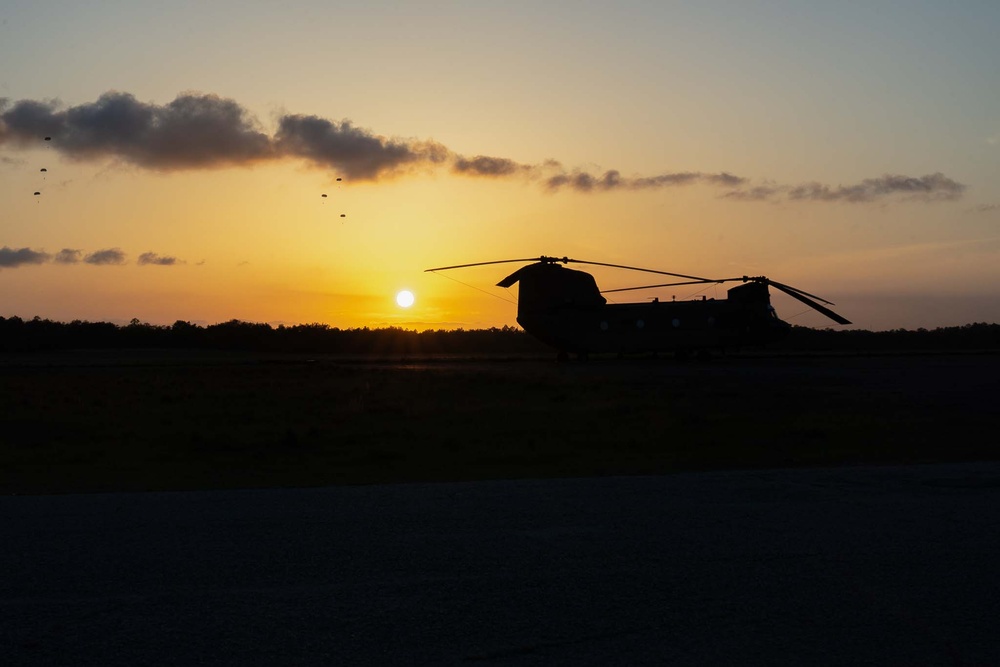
{"x": 404, "y": 299}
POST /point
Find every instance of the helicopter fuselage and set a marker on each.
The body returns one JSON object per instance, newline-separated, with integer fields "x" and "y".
{"x": 565, "y": 309}
{"x": 653, "y": 327}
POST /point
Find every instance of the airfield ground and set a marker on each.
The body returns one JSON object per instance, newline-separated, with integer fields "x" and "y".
{"x": 845, "y": 564}
{"x": 146, "y": 420}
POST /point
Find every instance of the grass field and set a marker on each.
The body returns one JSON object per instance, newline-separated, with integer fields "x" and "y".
{"x": 80, "y": 422}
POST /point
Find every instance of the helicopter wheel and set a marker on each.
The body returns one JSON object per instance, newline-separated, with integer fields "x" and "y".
{"x": 682, "y": 355}
{"x": 704, "y": 355}
{"x": 582, "y": 356}
{"x": 562, "y": 357}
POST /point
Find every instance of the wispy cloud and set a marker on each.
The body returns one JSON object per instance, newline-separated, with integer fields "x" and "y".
{"x": 201, "y": 131}
{"x": 932, "y": 187}
{"x": 583, "y": 181}
{"x": 555, "y": 177}
{"x": 984, "y": 208}
{"x": 755, "y": 193}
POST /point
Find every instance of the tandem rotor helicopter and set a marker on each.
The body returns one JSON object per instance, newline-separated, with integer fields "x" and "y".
{"x": 565, "y": 309}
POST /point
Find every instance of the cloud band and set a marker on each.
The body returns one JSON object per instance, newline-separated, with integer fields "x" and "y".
{"x": 202, "y": 131}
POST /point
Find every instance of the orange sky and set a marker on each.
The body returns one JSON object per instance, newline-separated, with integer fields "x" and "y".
{"x": 851, "y": 153}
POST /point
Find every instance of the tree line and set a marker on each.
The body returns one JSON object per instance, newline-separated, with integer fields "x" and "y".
{"x": 18, "y": 335}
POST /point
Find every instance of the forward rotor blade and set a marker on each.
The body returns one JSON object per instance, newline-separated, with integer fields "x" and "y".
{"x": 792, "y": 292}
{"x": 700, "y": 281}
{"x": 636, "y": 268}
{"x": 629, "y": 289}
{"x": 499, "y": 261}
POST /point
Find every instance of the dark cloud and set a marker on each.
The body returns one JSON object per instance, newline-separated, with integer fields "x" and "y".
{"x": 109, "y": 256}
{"x": 352, "y": 151}
{"x": 985, "y": 208}
{"x": 27, "y": 122}
{"x": 582, "y": 181}
{"x": 153, "y": 258}
{"x": 197, "y": 131}
{"x": 68, "y": 256}
{"x": 193, "y": 131}
{"x": 14, "y": 257}
{"x": 483, "y": 165}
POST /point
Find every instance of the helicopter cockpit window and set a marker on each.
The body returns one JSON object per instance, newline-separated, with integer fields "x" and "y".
{"x": 772, "y": 312}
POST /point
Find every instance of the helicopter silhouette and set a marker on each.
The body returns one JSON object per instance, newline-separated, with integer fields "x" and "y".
{"x": 565, "y": 309}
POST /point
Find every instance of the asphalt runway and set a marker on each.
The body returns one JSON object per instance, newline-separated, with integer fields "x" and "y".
{"x": 875, "y": 565}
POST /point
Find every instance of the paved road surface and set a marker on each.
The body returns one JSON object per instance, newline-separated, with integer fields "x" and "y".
{"x": 835, "y": 566}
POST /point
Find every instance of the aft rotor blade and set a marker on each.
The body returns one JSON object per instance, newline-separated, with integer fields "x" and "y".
{"x": 809, "y": 302}
{"x": 499, "y": 261}
{"x": 636, "y": 268}
{"x": 629, "y": 289}
{"x": 787, "y": 288}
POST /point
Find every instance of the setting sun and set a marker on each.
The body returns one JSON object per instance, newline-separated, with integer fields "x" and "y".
{"x": 404, "y": 299}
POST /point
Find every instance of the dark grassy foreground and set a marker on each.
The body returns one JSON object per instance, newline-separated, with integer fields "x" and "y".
{"x": 76, "y": 422}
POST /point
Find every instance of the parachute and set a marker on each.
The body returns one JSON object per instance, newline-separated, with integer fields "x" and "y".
{"x": 38, "y": 193}
{"x": 43, "y": 169}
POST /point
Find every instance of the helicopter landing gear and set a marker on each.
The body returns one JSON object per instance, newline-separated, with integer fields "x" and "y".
{"x": 562, "y": 357}
{"x": 582, "y": 357}
{"x": 703, "y": 356}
